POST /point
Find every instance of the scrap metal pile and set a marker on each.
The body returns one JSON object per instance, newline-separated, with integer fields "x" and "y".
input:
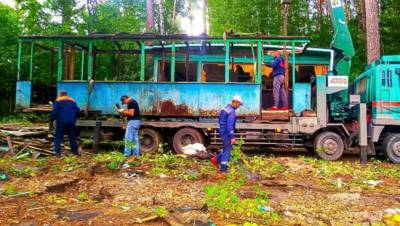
{"x": 22, "y": 141}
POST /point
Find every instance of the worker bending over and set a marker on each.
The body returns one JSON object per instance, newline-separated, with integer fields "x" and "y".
{"x": 65, "y": 112}
{"x": 132, "y": 114}
{"x": 278, "y": 74}
{"x": 227, "y": 122}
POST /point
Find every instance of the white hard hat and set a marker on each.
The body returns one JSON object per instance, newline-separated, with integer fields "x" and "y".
{"x": 238, "y": 99}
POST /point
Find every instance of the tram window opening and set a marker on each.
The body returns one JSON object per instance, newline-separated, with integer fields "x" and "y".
{"x": 164, "y": 72}
{"x": 238, "y": 72}
{"x": 213, "y": 72}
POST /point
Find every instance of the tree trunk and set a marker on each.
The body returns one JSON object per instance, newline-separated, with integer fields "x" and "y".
{"x": 174, "y": 14}
{"x": 161, "y": 9}
{"x": 205, "y": 17}
{"x": 346, "y": 10}
{"x": 372, "y": 30}
{"x": 360, "y": 8}
{"x": 319, "y": 6}
{"x": 320, "y": 12}
{"x": 150, "y": 15}
{"x": 190, "y": 16}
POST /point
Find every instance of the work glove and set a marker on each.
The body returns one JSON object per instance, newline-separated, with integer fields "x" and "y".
{"x": 120, "y": 110}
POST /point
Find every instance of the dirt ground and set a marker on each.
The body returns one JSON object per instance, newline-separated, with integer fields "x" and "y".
{"x": 96, "y": 189}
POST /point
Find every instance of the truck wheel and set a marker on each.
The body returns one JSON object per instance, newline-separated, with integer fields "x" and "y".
{"x": 329, "y": 146}
{"x": 186, "y": 136}
{"x": 391, "y": 147}
{"x": 150, "y": 139}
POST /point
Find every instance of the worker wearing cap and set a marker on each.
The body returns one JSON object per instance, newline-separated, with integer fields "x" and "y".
{"x": 227, "y": 121}
{"x": 278, "y": 74}
{"x": 132, "y": 114}
{"x": 65, "y": 112}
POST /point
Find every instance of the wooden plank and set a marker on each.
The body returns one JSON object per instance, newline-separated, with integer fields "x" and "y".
{"x": 278, "y": 115}
{"x": 10, "y": 145}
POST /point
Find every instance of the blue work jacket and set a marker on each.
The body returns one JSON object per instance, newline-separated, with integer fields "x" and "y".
{"x": 227, "y": 122}
{"x": 278, "y": 66}
{"x": 65, "y": 110}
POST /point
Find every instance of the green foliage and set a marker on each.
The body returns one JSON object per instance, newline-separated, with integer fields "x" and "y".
{"x": 83, "y": 196}
{"x": 57, "y": 199}
{"x": 9, "y": 189}
{"x": 163, "y": 163}
{"x": 26, "y": 171}
{"x": 224, "y": 197}
{"x": 390, "y": 26}
{"x": 9, "y": 31}
{"x": 70, "y": 159}
{"x": 24, "y": 118}
{"x": 161, "y": 211}
{"x": 112, "y": 159}
{"x": 236, "y": 152}
{"x": 189, "y": 175}
{"x": 112, "y": 165}
{"x": 41, "y": 161}
{"x": 167, "y": 161}
{"x": 57, "y": 167}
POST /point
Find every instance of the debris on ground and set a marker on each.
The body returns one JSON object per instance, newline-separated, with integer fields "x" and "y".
{"x": 76, "y": 215}
{"x": 60, "y": 185}
{"x": 22, "y": 141}
{"x": 196, "y": 150}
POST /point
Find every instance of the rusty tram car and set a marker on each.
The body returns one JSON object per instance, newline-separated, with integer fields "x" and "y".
{"x": 183, "y": 81}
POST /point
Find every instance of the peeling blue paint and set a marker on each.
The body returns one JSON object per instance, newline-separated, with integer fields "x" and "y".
{"x": 302, "y": 97}
{"x": 166, "y": 99}
{"x": 23, "y": 95}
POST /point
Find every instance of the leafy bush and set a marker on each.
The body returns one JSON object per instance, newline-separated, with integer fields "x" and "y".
{"x": 225, "y": 199}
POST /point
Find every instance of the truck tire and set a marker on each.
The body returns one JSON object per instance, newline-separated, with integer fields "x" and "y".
{"x": 391, "y": 147}
{"x": 150, "y": 139}
{"x": 186, "y": 136}
{"x": 329, "y": 146}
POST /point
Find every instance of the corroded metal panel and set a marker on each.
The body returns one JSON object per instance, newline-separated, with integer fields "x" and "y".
{"x": 166, "y": 99}
{"x": 23, "y": 95}
{"x": 302, "y": 97}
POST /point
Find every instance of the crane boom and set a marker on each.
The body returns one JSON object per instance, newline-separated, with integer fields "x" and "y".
{"x": 342, "y": 42}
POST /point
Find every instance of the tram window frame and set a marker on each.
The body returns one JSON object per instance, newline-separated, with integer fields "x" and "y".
{"x": 383, "y": 78}
{"x": 361, "y": 86}
{"x": 389, "y": 77}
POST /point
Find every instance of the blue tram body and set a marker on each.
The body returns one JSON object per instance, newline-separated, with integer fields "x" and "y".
{"x": 165, "y": 99}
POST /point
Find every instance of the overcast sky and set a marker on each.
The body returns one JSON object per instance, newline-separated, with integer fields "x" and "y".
{"x": 195, "y": 29}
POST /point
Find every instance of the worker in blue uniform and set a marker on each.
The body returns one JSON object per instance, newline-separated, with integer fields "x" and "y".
{"x": 65, "y": 111}
{"x": 227, "y": 122}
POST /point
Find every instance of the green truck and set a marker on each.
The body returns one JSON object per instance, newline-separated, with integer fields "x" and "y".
{"x": 379, "y": 88}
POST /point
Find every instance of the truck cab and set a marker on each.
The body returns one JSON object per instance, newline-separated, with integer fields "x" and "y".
{"x": 379, "y": 88}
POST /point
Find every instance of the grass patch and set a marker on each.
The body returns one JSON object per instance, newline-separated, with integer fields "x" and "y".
{"x": 24, "y": 118}
{"x": 223, "y": 198}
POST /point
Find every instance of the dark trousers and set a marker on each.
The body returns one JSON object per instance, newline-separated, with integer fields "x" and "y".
{"x": 68, "y": 129}
{"x": 225, "y": 155}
